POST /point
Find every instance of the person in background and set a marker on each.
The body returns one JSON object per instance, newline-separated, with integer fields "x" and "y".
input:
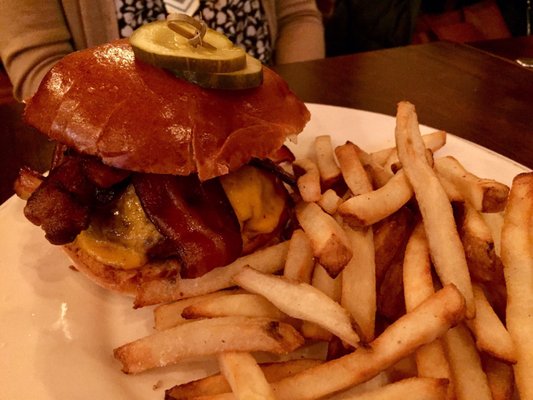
{"x": 353, "y": 26}
{"x": 35, "y": 34}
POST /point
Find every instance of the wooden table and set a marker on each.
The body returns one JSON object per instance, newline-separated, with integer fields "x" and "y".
{"x": 474, "y": 91}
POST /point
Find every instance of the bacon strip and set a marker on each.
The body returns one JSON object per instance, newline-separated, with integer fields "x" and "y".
{"x": 196, "y": 218}
{"x": 60, "y": 205}
{"x": 63, "y": 202}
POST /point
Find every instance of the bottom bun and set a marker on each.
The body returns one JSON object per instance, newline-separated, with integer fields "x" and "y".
{"x": 120, "y": 280}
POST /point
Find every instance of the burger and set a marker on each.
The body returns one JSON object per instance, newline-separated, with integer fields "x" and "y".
{"x": 155, "y": 178}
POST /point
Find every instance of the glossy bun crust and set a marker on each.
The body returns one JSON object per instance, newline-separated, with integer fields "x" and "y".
{"x": 134, "y": 116}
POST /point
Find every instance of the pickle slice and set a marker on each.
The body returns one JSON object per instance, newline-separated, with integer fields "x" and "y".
{"x": 249, "y": 77}
{"x": 157, "y": 44}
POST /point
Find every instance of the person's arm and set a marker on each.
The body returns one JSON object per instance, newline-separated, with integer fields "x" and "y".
{"x": 33, "y": 36}
{"x": 300, "y": 34}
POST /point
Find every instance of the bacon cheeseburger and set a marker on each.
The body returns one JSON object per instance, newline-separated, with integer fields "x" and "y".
{"x": 151, "y": 177}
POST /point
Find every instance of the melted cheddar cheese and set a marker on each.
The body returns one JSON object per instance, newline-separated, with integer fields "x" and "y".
{"x": 122, "y": 237}
{"x": 255, "y": 200}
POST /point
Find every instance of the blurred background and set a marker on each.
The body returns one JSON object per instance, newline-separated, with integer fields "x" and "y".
{"x": 353, "y": 26}
{"x": 360, "y": 25}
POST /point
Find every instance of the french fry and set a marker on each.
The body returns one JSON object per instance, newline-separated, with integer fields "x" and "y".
{"x": 379, "y": 176}
{"x": 500, "y": 377}
{"x": 489, "y": 332}
{"x": 358, "y": 289}
{"x": 486, "y": 195}
{"x": 169, "y": 315}
{"x": 270, "y": 260}
{"x": 468, "y": 378}
{"x": 494, "y": 222}
{"x": 352, "y": 169}
{"x": 411, "y": 388}
{"x": 321, "y": 280}
{"x": 358, "y": 293}
{"x": 517, "y": 258}
{"x": 300, "y": 261}
{"x": 244, "y": 376}
{"x": 454, "y": 195}
{"x": 376, "y": 382}
{"x": 390, "y": 302}
{"x": 368, "y": 208}
{"x": 445, "y": 245}
{"x": 243, "y": 304}
{"x": 483, "y": 263}
{"x": 308, "y": 181}
{"x": 418, "y": 285}
{"x": 432, "y": 141}
{"x": 330, "y": 172}
{"x": 403, "y": 369}
{"x": 217, "y": 384}
{"x": 390, "y": 236}
{"x": 328, "y": 239}
{"x": 300, "y": 300}
{"x": 332, "y": 288}
{"x": 330, "y": 201}
{"x": 424, "y": 324}
{"x": 206, "y": 337}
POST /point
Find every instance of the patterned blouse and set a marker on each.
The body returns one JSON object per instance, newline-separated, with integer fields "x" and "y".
{"x": 243, "y": 21}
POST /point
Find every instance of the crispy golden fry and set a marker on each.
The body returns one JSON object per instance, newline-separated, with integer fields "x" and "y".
{"x": 243, "y": 304}
{"x": 330, "y": 201}
{"x": 517, "y": 258}
{"x": 490, "y": 333}
{"x": 379, "y": 176}
{"x": 500, "y": 377}
{"x": 308, "y": 181}
{"x": 300, "y": 261}
{"x": 432, "y": 141}
{"x": 469, "y": 380}
{"x": 169, "y": 315}
{"x": 300, "y": 300}
{"x": 486, "y": 195}
{"x": 358, "y": 289}
{"x": 483, "y": 262}
{"x": 244, "y": 376}
{"x": 206, "y": 337}
{"x": 328, "y": 239}
{"x": 411, "y": 388}
{"x": 330, "y": 172}
{"x": 352, "y": 169}
{"x": 445, "y": 245}
{"x": 368, "y": 208}
{"x": 418, "y": 285}
{"x": 217, "y": 384}
{"x": 270, "y": 260}
{"x": 428, "y": 321}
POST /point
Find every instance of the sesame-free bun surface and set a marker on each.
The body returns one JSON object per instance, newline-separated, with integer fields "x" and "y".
{"x": 134, "y": 116}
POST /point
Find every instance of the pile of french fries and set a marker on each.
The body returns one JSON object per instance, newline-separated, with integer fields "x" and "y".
{"x": 415, "y": 274}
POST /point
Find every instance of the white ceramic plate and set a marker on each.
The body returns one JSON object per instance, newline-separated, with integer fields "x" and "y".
{"x": 58, "y": 330}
